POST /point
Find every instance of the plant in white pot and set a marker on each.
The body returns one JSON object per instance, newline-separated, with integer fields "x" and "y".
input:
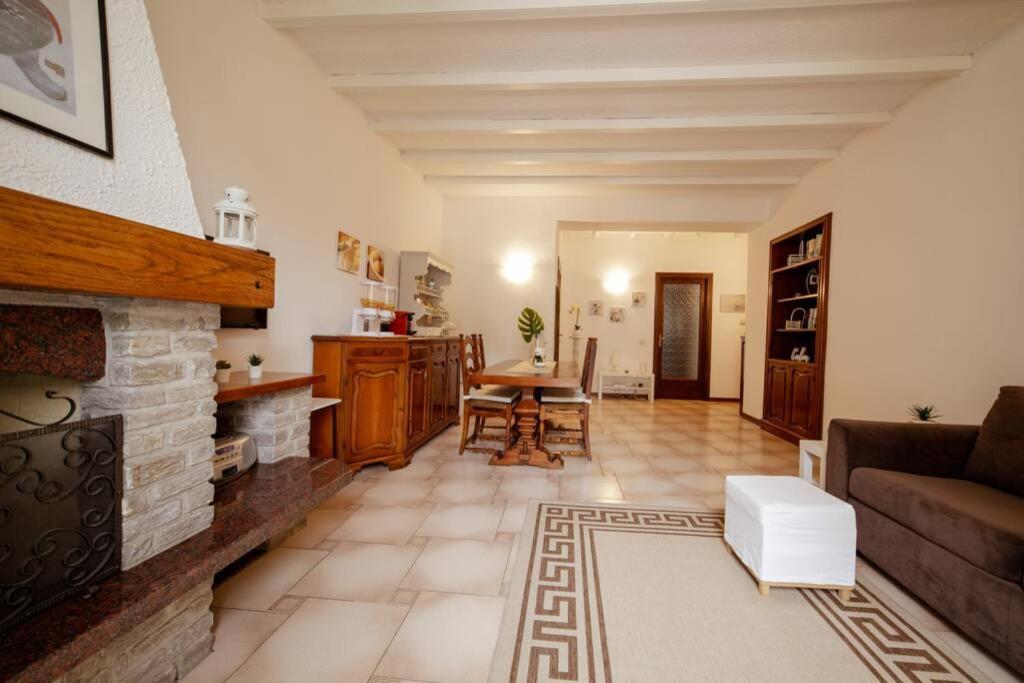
{"x": 923, "y": 414}
{"x": 255, "y": 361}
{"x": 223, "y": 372}
{"x": 531, "y": 326}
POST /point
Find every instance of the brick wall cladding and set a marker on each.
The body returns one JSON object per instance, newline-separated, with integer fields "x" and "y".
{"x": 160, "y": 378}
{"x": 278, "y": 423}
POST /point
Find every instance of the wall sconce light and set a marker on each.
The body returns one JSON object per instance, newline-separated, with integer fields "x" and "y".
{"x": 517, "y": 267}
{"x": 616, "y": 281}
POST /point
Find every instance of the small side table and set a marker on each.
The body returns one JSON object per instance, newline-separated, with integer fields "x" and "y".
{"x": 630, "y": 387}
{"x": 809, "y": 450}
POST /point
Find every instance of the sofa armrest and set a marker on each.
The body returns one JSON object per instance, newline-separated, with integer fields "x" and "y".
{"x": 931, "y": 450}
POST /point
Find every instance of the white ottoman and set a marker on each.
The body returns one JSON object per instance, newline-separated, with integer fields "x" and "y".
{"x": 789, "y": 533}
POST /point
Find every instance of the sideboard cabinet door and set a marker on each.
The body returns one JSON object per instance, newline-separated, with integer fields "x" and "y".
{"x": 419, "y": 400}
{"x": 373, "y": 400}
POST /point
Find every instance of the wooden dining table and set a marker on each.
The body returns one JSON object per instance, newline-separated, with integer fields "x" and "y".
{"x": 532, "y": 380}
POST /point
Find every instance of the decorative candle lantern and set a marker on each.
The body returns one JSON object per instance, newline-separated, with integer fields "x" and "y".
{"x": 236, "y": 219}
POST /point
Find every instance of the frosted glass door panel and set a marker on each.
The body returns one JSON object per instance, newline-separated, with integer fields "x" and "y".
{"x": 680, "y": 343}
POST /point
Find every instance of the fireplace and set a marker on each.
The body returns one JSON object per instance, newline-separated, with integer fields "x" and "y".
{"x": 60, "y": 513}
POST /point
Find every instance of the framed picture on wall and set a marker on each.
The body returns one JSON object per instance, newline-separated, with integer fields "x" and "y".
{"x": 348, "y": 253}
{"x": 54, "y": 70}
{"x": 639, "y": 299}
{"x": 374, "y": 264}
{"x": 617, "y": 314}
{"x": 595, "y": 307}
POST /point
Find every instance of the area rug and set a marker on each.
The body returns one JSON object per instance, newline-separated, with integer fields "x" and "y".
{"x": 635, "y": 593}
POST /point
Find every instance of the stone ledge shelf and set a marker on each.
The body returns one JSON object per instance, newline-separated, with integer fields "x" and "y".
{"x": 239, "y": 386}
{"x": 268, "y": 500}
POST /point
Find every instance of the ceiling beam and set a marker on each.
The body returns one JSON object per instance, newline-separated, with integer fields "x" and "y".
{"x": 695, "y": 181}
{"x": 634, "y": 125}
{"x": 309, "y": 13}
{"x": 637, "y": 77}
{"x": 620, "y": 156}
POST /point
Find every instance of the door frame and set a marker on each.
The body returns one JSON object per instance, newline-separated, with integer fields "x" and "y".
{"x": 704, "y": 363}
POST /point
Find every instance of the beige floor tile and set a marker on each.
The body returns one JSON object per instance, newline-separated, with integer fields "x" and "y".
{"x": 456, "y": 566}
{"x": 236, "y": 635}
{"x": 682, "y": 502}
{"x": 348, "y": 495}
{"x": 673, "y": 464}
{"x": 625, "y": 466}
{"x": 767, "y": 460}
{"x": 647, "y": 485}
{"x": 392, "y": 525}
{"x": 319, "y": 524}
{"x": 476, "y": 521}
{"x": 652, "y": 449}
{"x": 464, "y": 469}
{"x": 528, "y": 488}
{"x": 448, "y": 638}
{"x": 589, "y": 488}
{"x": 267, "y": 579}
{"x": 576, "y": 465}
{"x": 365, "y": 572}
{"x": 464, "y": 491}
{"x": 325, "y": 640}
{"x": 721, "y": 462}
{"x": 409, "y": 493}
{"x": 514, "y": 518}
{"x": 418, "y": 469}
{"x": 705, "y": 482}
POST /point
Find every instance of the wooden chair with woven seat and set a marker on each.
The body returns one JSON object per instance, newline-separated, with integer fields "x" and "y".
{"x": 480, "y": 403}
{"x": 573, "y": 403}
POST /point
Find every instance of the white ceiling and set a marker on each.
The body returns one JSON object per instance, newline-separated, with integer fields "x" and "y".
{"x": 649, "y": 97}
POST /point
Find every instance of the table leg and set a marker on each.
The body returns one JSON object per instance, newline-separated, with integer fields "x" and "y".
{"x": 526, "y": 451}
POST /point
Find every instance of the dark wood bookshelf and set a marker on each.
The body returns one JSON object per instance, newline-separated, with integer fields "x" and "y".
{"x": 794, "y": 390}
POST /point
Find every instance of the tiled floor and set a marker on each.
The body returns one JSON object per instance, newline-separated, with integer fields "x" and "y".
{"x": 402, "y": 575}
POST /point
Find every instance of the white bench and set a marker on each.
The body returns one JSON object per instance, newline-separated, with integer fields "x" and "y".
{"x": 791, "y": 534}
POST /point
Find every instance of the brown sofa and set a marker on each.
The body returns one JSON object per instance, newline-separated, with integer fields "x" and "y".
{"x": 940, "y": 509}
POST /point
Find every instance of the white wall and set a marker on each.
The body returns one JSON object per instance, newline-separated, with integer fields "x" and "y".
{"x": 586, "y": 260}
{"x": 928, "y": 237}
{"x": 479, "y": 233}
{"x": 146, "y": 181}
{"x": 254, "y": 110}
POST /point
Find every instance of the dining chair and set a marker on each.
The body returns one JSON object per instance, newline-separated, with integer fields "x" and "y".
{"x": 573, "y": 403}
{"x": 480, "y": 403}
{"x": 479, "y": 340}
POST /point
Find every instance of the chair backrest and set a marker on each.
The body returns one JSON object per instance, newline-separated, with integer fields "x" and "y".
{"x": 467, "y": 361}
{"x": 480, "y": 350}
{"x": 589, "y": 361}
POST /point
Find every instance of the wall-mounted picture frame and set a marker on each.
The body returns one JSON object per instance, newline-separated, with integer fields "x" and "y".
{"x": 617, "y": 314}
{"x": 374, "y": 264}
{"x": 639, "y": 299}
{"x": 55, "y": 71}
{"x": 348, "y": 253}
{"x": 595, "y": 307}
{"x": 733, "y": 303}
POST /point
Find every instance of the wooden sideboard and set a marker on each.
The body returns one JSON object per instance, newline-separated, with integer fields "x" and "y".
{"x": 396, "y": 393}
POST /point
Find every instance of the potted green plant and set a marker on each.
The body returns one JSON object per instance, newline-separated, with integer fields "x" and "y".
{"x": 531, "y": 326}
{"x": 223, "y": 372}
{"x": 923, "y": 414}
{"x": 255, "y": 361}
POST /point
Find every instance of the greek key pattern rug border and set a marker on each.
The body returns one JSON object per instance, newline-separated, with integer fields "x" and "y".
{"x": 560, "y": 634}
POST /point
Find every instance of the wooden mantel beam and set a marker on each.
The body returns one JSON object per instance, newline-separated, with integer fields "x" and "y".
{"x": 50, "y": 246}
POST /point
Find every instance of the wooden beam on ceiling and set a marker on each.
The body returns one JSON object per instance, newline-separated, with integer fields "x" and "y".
{"x": 633, "y": 125}
{"x": 638, "y": 77}
{"x": 620, "y": 156}
{"x": 311, "y": 13}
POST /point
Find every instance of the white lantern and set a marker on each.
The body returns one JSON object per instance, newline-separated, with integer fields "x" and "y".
{"x": 236, "y": 219}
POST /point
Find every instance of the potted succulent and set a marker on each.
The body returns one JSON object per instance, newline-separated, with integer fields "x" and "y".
{"x": 255, "y": 361}
{"x": 923, "y": 414}
{"x": 531, "y": 326}
{"x": 223, "y": 372}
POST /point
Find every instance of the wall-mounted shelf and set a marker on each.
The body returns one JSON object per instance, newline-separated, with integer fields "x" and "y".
{"x": 802, "y": 297}
{"x": 797, "y": 266}
{"x": 423, "y": 280}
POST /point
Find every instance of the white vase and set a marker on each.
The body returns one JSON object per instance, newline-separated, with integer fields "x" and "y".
{"x": 222, "y": 375}
{"x": 255, "y": 371}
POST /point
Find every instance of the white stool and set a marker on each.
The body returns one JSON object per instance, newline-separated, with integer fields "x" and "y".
{"x": 789, "y": 533}
{"x": 809, "y": 450}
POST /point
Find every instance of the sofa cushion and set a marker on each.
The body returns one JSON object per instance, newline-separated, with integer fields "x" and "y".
{"x": 998, "y": 456}
{"x": 981, "y": 524}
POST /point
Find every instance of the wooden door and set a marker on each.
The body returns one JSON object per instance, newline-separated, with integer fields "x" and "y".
{"x": 418, "y": 401}
{"x": 438, "y": 397}
{"x": 777, "y": 394}
{"x": 452, "y": 387}
{"x": 682, "y": 335}
{"x": 374, "y": 425}
{"x": 803, "y": 408}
